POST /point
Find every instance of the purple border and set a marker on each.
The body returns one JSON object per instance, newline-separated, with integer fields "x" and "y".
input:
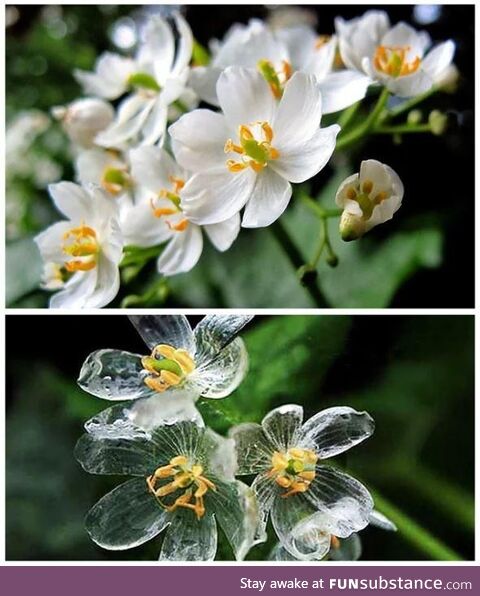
{"x": 227, "y": 581}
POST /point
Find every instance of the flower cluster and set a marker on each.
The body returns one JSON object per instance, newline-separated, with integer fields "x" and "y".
{"x": 184, "y": 474}
{"x": 154, "y": 168}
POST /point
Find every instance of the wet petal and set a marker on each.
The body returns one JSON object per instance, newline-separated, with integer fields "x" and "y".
{"x": 282, "y": 426}
{"x": 113, "y": 375}
{"x": 336, "y": 430}
{"x": 265, "y": 490}
{"x": 254, "y": 450}
{"x": 215, "y": 332}
{"x": 115, "y": 423}
{"x": 350, "y": 549}
{"x": 126, "y": 517}
{"x": 173, "y": 330}
{"x": 189, "y": 539}
{"x": 169, "y": 407}
{"x": 381, "y": 521}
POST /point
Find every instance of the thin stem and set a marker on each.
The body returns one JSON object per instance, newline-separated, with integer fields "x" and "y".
{"x": 297, "y": 261}
{"x": 347, "y": 115}
{"x": 413, "y": 533}
{"x": 318, "y": 209}
{"x": 410, "y": 103}
{"x": 321, "y": 246}
{"x": 402, "y": 129}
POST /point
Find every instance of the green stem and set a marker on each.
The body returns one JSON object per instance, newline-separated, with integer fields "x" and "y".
{"x": 321, "y": 246}
{"x": 347, "y": 115}
{"x": 413, "y": 533}
{"x": 402, "y": 129}
{"x": 318, "y": 209}
{"x": 410, "y": 103}
{"x": 297, "y": 261}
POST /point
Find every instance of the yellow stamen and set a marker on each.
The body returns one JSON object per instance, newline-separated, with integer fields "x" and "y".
{"x": 167, "y": 367}
{"x": 255, "y": 152}
{"x": 367, "y": 186}
{"x": 334, "y": 542}
{"x": 293, "y": 470}
{"x": 81, "y": 242}
{"x": 393, "y": 61}
{"x": 321, "y": 41}
{"x": 181, "y": 226}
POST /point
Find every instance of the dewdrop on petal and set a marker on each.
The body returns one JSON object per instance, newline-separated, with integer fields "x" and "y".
{"x": 368, "y": 198}
{"x": 83, "y": 119}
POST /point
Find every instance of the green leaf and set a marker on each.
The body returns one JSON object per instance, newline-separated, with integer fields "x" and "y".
{"x": 23, "y": 269}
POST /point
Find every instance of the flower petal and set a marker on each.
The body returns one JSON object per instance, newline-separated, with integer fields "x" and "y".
{"x": 402, "y": 34}
{"x": 182, "y": 251}
{"x": 114, "y": 375}
{"x": 223, "y": 234}
{"x": 265, "y": 491}
{"x": 126, "y": 517}
{"x": 268, "y": 201}
{"x": 71, "y": 200}
{"x": 203, "y": 80}
{"x": 115, "y": 423}
{"x": 49, "y": 241}
{"x": 109, "y": 78}
{"x": 107, "y": 283}
{"x": 381, "y": 521}
{"x": 298, "y": 163}
{"x": 185, "y": 45}
{"x": 244, "y": 96}
{"x": 336, "y": 430}
{"x": 170, "y": 407}
{"x": 76, "y": 291}
{"x": 350, "y": 549}
{"x": 439, "y": 58}
{"x": 131, "y": 117}
{"x": 282, "y": 426}
{"x": 254, "y": 450}
{"x": 215, "y": 332}
{"x": 152, "y": 168}
{"x": 342, "y": 89}
{"x": 220, "y": 377}
{"x": 173, "y": 330}
{"x": 158, "y": 47}
{"x": 155, "y": 125}
{"x": 188, "y": 538}
{"x": 198, "y": 140}
{"x": 299, "y": 111}
{"x": 347, "y": 501}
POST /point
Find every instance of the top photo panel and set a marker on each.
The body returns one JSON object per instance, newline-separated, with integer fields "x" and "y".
{"x": 239, "y": 156}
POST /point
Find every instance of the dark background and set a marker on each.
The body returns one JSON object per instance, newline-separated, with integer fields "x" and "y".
{"x": 414, "y": 374}
{"x": 438, "y": 172}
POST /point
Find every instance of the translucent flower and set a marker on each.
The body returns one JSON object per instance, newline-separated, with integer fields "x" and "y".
{"x": 156, "y": 214}
{"x": 183, "y": 483}
{"x": 395, "y": 57}
{"x": 369, "y": 198}
{"x": 84, "y": 118}
{"x": 247, "y": 156}
{"x": 82, "y": 253}
{"x": 278, "y": 54}
{"x": 182, "y": 365}
{"x": 317, "y": 529}
{"x": 154, "y": 79}
{"x": 293, "y": 483}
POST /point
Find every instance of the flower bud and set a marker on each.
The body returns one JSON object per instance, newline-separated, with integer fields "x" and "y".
{"x": 352, "y": 227}
{"x": 83, "y": 119}
{"x": 448, "y": 81}
{"x": 438, "y": 122}
{"x": 414, "y": 117}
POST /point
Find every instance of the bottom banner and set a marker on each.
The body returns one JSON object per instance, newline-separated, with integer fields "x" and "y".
{"x": 233, "y": 581}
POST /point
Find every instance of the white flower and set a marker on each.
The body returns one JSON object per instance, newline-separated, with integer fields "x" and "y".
{"x": 183, "y": 365}
{"x": 293, "y": 483}
{"x": 158, "y": 76}
{"x": 394, "y": 57}
{"x": 279, "y": 54}
{"x": 369, "y": 198}
{"x": 156, "y": 215}
{"x": 106, "y": 168}
{"x": 82, "y": 253}
{"x": 84, "y": 118}
{"x": 183, "y": 484}
{"x": 247, "y": 156}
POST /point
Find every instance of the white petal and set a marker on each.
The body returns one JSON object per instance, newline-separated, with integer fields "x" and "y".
{"x": 411, "y": 85}
{"x": 203, "y": 80}
{"x": 321, "y": 59}
{"x": 107, "y": 283}
{"x": 268, "y": 200}
{"x": 300, "y": 41}
{"x": 341, "y": 197}
{"x": 299, "y": 111}
{"x": 110, "y": 77}
{"x": 336, "y": 430}
{"x": 140, "y": 227}
{"x": 342, "y": 89}
{"x": 50, "y": 241}
{"x": 173, "y": 330}
{"x": 182, "y": 251}
{"x": 188, "y": 538}
{"x": 152, "y": 168}
{"x": 402, "y": 34}
{"x": 170, "y": 407}
{"x": 223, "y": 375}
{"x": 158, "y": 47}
{"x": 298, "y": 163}
{"x": 199, "y": 138}
{"x": 155, "y": 125}
{"x": 185, "y": 45}
{"x": 132, "y": 115}
{"x": 223, "y": 234}
{"x": 71, "y": 200}
{"x": 282, "y": 426}
{"x": 384, "y": 211}
{"x": 438, "y": 59}
{"x": 244, "y": 97}
{"x": 216, "y": 195}
{"x": 76, "y": 291}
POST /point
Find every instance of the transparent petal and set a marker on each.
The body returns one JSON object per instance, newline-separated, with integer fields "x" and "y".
{"x": 280, "y": 554}
{"x": 221, "y": 454}
{"x": 126, "y": 517}
{"x": 282, "y": 426}
{"x": 165, "y": 408}
{"x": 115, "y": 423}
{"x": 173, "y": 330}
{"x": 113, "y": 375}
{"x": 336, "y": 430}
{"x": 349, "y": 549}
{"x": 381, "y": 521}
{"x": 265, "y": 490}
{"x": 215, "y": 332}
{"x": 347, "y": 501}
{"x": 222, "y": 376}
{"x": 297, "y": 529}
{"x": 189, "y": 539}
{"x": 254, "y": 450}
{"x": 116, "y": 456}
{"x": 236, "y": 511}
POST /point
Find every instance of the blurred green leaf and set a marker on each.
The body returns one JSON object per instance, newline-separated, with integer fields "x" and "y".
{"x": 23, "y": 269}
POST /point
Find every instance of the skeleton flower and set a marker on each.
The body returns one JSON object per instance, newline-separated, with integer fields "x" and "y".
{"x": 183, "y": 483}
{"x": 82, "y": 253}
{"x": 395, "y": 57}
{"x": 293, "y": 483}
{"x": 183, "y": 365}
{"x": 278, "y": 54}
{"x": 247, "y": 156}
{"x": 153, "y": 80}
{"x": 369, "y": 198}
{"x": 84, "y": 118}
{"x": 157, "y": 216}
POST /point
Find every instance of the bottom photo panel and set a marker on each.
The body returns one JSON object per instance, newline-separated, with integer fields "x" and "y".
{"x": 233, "y": 437}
